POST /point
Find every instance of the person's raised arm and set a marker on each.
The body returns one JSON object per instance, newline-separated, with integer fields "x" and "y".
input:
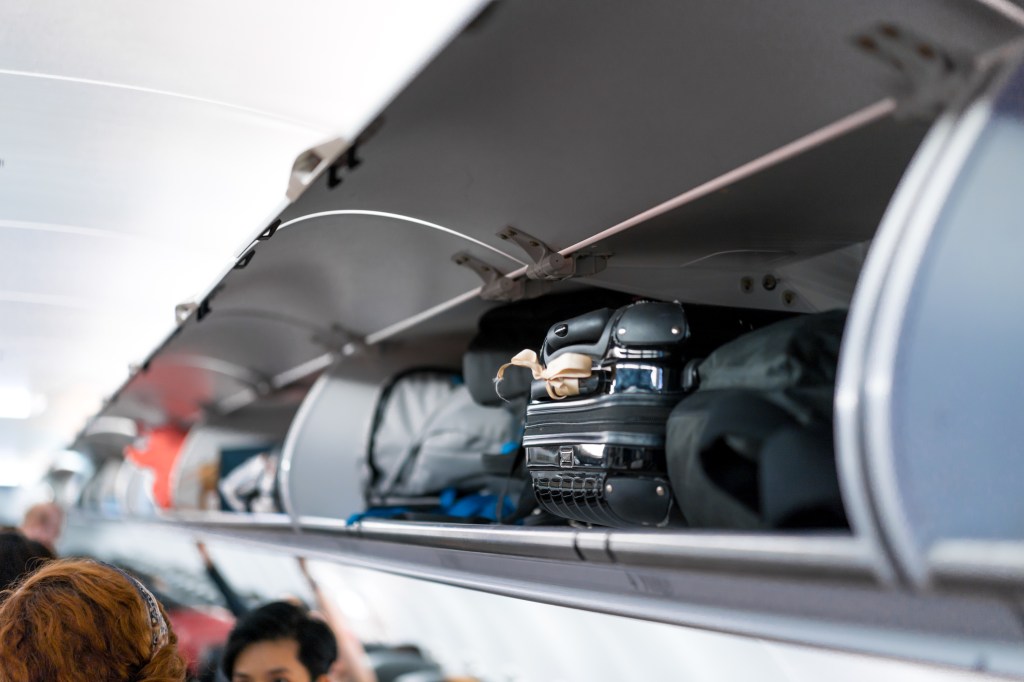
{"x": 353, "y": 664}
{"x": 234, "y": 603}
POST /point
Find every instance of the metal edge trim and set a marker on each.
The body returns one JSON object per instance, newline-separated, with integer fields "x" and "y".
{"x": 888, "y": 318}
{"x": 853, "y": 477}
{"x": 224, "y": 519}
{"x": 534, "y": 543}
{"x": 996, "y": 563}
{"x": 288, "y": 449}
{"x": 326, "y": 525}
{"x": 835, "y": 556}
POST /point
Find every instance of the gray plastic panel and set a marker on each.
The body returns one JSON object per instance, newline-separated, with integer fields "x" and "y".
{"x": 354, "y": 272}
{"x": 265, "y": 344}
{"x": 325, "y": 449}
{"x": 773, "y": 222}
{"x": 172, "y": 391}
{"x": 607, "y": 111}
{"x": 943, "y": 402}
{"x": 215, "y": 366}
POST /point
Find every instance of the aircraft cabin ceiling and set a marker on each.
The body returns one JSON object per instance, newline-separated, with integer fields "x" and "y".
{"x": 141, "y": 144}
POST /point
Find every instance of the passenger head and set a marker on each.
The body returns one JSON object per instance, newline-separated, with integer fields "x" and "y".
{"x": 18, "y": 556}
{"x": 279, "y": 641}
{"x": 43, "y": 523}
{"x": 81, "y": 621}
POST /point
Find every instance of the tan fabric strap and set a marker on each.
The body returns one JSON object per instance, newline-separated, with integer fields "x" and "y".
{"x": 561, "y": 376}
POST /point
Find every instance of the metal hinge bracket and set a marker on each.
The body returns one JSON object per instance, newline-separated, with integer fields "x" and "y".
{"x": 311, "y": 163}
{"x": 549, "y": 264}
{"x": 933, "y": 75}
{"x": 496, "y": 286}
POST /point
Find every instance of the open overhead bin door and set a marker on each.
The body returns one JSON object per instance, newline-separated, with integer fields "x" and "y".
{"x": 937, "y": 401}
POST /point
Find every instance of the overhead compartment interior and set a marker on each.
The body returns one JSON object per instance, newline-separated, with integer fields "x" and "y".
{"x": 733, "y": 154}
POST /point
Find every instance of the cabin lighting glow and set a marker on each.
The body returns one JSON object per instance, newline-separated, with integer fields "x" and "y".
{"x": 20, "y": 403}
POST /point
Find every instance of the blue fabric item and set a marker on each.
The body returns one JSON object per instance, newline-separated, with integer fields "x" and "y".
{"x": 474, "y": 506}
{"x": 447, "y": 498}
{"x": 509, "y": 447}
{"x": 377, "y": 513}
{"x": 471, "y": 506}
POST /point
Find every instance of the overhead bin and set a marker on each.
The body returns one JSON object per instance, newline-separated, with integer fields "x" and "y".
{"x": 739, "y": 155}
{"x": 198, "y": 467}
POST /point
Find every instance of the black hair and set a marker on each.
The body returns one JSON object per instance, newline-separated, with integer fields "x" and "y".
{"x": 278, "y": 621}
{"x": 19, "y": 556}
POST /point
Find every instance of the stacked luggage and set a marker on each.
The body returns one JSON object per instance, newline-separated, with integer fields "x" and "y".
{"x": 637, "y": 414}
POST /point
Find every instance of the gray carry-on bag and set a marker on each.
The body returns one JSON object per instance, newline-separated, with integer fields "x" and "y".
{"x": 428, "y": 436}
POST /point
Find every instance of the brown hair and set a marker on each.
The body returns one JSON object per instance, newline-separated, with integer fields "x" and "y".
{"x": 79, "y": 620}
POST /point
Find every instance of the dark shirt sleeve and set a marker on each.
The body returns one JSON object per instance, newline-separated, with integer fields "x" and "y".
{"x": 234, "y": 603}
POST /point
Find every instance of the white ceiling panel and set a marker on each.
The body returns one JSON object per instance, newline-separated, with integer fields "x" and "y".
{"x": 326, "y": 64}
{"x": 141, "y": 144}
{"x": 135, "y": 163}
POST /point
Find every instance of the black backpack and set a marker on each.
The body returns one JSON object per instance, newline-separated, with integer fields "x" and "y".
{"x": 752, "y": 448}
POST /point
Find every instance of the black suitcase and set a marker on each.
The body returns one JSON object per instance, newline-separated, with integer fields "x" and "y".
{"x": 595, "y": 445}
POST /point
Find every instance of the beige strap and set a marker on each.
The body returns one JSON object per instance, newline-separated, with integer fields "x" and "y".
{"x": 562, "y": 376}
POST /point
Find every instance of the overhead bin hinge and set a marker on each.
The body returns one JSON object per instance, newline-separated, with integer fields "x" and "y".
{"x": 498, "y": 287}
{"x": 549, "y": 264}
{"x": 183, "y": 311}
{"x": 244, "y": 260}
{"x": 203, "y": 310}
{"x": 933, "y": 75}
{"x": 349, "y": 160}
{"x": 269, "y": 232}
{"x": 311, "y": 163}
